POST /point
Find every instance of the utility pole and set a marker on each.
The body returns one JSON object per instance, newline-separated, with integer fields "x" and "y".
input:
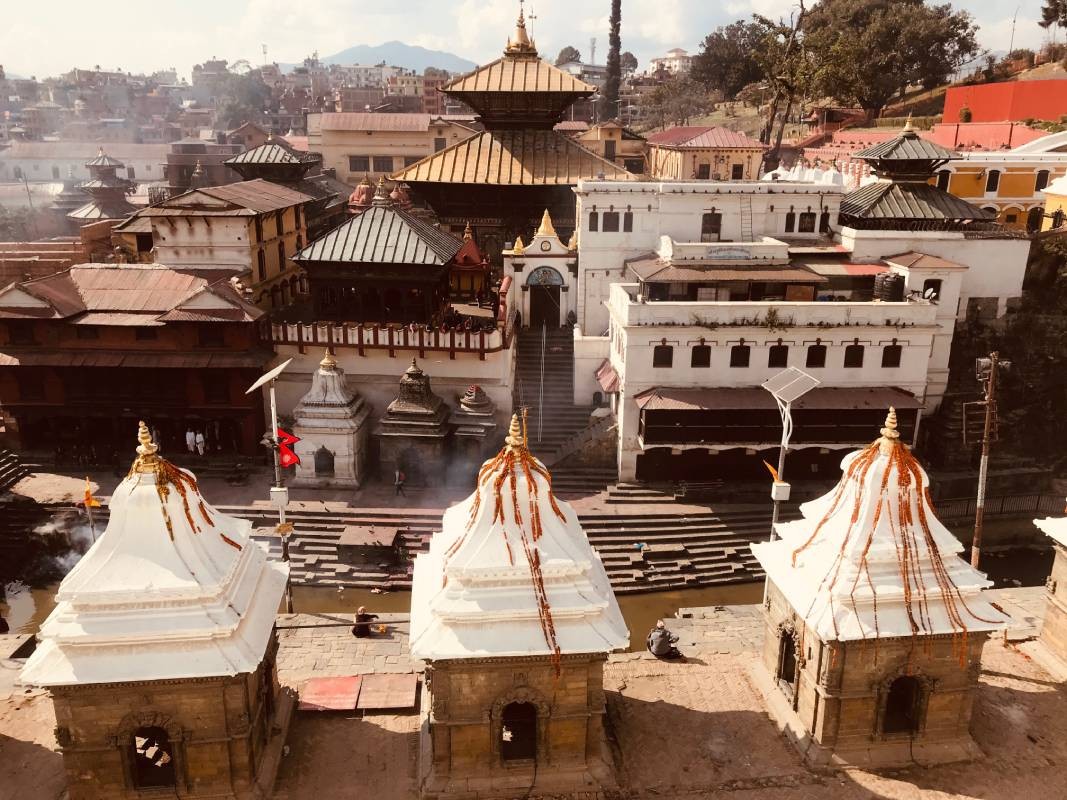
{"x": 987, "y": 370}
{"x": 1011, "y": 41}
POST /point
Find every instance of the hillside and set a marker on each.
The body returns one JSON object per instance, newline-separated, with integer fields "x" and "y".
{"x": 398, "y": 54}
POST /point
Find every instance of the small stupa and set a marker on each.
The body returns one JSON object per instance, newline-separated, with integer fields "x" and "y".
{"x": 513, "y": 613}
{"x": 331, "y": 423}
{"x": 1054, "y": 629}
{"x": 414, "y": 432}
{"x": 474, "y": 421}
{"x": 160, "y": 653}
{"x": 874, "y": 623}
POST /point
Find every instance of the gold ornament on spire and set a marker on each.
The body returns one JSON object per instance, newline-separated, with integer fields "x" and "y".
{"x": 147, "y": 450}
{"x": 518, "y": 248}
{"x": 328, "y": 360}
{"x": 572, "y": 244}
{"x": 468, "y": 234}
{"x": 890, "y": 434}
{"x": 908, "y": 126}
{"x": 520, "y": 43}
{"x": 546, "y": 228}
{"x": 515, "y": 438}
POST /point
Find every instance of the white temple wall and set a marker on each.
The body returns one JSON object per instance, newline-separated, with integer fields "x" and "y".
{"x": 589, "y": 353}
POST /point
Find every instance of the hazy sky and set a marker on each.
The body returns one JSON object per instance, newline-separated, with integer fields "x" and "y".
{"x": 47, "y": 37}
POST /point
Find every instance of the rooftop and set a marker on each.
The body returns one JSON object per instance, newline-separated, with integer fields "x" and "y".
{"x": 246, "y": 198}
{"x": 693, "y": 138}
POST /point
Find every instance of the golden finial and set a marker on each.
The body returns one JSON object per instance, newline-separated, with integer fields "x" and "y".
{"x": 572, "y": 243}
{"x": 515, "y": 439}
{"x": 365, "y": 181}
{"x": 328, "y": 361}
{"x": 520, "y": 42}
{"x": 468, "y": 234}
{"x": 890, "y": 434}
{"x": 546, "y": 229}
{"x": 519, "y": 248}
{"x": 908, "y": 127}
{"x": 147, "y": 450}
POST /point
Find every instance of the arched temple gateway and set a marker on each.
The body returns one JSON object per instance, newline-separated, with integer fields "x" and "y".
{"x": 160, "y": 653}
{"x": 513, "y": 613}
{"x": 874, "y": 624}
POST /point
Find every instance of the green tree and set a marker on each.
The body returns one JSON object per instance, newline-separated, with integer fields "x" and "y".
{"x": 867, "y": 51}
{"x": 673, "y": 102}
{"x": 628, "y": 62}
{"x": 611, "y": 84}
{"x": 729, "y": 58}
{"x": 1054, "y": 13}
{"x": 568, "y": 54}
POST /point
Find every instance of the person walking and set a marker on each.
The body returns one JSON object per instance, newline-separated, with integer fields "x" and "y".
{"x": 190, "y": 439}
{"x": 201, "y": 442}
{"x": 398, "y": 482}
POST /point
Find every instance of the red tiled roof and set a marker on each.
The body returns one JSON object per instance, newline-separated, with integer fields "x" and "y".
{"x": 701, "y": 137}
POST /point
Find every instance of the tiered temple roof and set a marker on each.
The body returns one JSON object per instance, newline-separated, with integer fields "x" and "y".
{"x": 171, "y": 590}
{"x": 871, "y": 560}
{"x": 107, "y": 190}
{"x": 511, "y": 573}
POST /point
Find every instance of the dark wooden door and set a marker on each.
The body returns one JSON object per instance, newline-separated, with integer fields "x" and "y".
{"x": 544, "y": 306}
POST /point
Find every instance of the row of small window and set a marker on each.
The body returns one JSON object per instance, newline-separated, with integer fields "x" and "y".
{"x": 376, "y": 163}
{"x": 608, "y": 221}
{"x": 777, "y": 356}
{"x": 992, "y": 180}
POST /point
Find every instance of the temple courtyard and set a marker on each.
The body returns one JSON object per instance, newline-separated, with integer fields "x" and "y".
{"x": 678, "y": 730}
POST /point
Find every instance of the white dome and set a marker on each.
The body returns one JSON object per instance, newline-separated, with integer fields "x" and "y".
{"x": 511, "y": 572}
{"x": 870, "y": 559}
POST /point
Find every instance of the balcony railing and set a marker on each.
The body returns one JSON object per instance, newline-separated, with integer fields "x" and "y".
{"x": 366, "y": 337}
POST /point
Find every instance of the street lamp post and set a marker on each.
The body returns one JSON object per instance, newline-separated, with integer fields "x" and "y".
{"x": 786, "y": 387}
{"x": 279, "y": 494}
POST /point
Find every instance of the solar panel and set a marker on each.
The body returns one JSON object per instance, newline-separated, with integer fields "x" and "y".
{"x": 791, "y": 384}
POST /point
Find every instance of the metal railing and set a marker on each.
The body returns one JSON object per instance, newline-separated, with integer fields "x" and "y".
{"x": 1019, "y": 505}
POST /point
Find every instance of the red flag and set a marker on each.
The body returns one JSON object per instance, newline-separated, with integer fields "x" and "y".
{"x": 286, "y": 456}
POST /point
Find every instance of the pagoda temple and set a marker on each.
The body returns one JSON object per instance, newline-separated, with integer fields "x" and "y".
{"x": 107, "y": 190}
{"x": 383, "y": 265}
{"x": 874, "y": 624}
{"x": 278, "y": 162}
{"x": 512, "y": 611}
{"x": 502, "y": 179}
{"x": 67, "y": 200}
{"x": 160, "y": 652}
{"x": 1054, "y": 629}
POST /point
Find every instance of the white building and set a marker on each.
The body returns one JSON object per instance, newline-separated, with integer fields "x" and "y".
{"x": 677, "y": 61}
{"x": 691, "y": 295}
{"x": 54, "y": 161}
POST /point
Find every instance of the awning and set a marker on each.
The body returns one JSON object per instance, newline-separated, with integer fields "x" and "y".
{"x": 91, "y": 358}
{"x": 755, "y": 398}
{"x": 607, "y": 377}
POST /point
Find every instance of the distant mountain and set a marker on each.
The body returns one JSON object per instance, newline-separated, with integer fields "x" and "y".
{"x": 398, "y": 54}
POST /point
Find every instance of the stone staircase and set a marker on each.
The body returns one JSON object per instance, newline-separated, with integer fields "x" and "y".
{"x": 646, "y": 551}
{"x": 12, "y": 470}
{"x": 562, "y": 419}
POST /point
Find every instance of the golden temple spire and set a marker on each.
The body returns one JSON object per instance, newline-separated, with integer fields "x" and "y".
{"x": 328, "y": 360}
{"x": 908, "y": 126}
{"x": 520, "y": 43}
{"x": 519, "y": 248}
{"x": 890, "y": 434}
{"x": 515, "y": 438}
{"x": 381, "y": 196}
{"x": 547, "y": 228}
{"x": 468, "y": 234}
{"x": 147, "y": 450}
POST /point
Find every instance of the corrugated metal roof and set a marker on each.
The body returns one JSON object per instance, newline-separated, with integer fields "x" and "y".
{"x": 684, "y": 138}
{"x": 148, "y": 290}
{"x": 104, "y": 160}
{"x": 656, "y": 270}
{"x": 118, "y": 318}
{"x": 513, "y": 158}
{"x": 383, "y": 234}
{"x": 522, "y": 74}
{"x": 105, "y": 208}
{"x": 908, "y": 146}
{"x": 269, "y": 153}
{"x": 729, "y": 399}
{"x": 844, "y": 268}
{"x": 106, "y": 182}
{"x": 889, "y": 200}
{"x": 258, "y": 195}
{"x": 135, "y": 224}
{"x": 359, "y": 121}
{"x": 922, "y": 260}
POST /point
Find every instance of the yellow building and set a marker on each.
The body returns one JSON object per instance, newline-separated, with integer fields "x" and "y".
{"x": 617, "y": 144}
{"x": 376, "y": 145}
{"x": 1011, "y": 183}
{"x": 1055, "y": 204}
{"x": 703, "y": 153}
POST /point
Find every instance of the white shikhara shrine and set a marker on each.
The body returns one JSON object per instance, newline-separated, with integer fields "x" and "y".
{"x": 1055, "y": 528}
{"x": 172, "y": 589}
{"x": 511, "y": 573}
{"x": 870, "y": 559}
